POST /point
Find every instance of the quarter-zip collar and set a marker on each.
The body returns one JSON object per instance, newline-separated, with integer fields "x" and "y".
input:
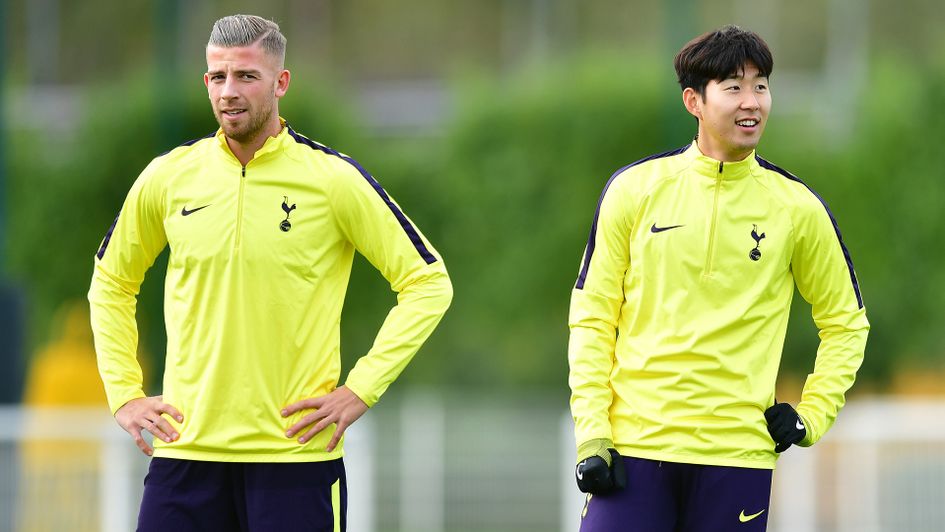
{"x": 271, "y": 145}
{"x": 709, "y": 167}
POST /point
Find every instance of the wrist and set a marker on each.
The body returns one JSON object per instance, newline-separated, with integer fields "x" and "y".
{"x": 596, "y": 447}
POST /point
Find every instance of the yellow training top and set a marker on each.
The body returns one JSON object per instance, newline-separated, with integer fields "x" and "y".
{"x": 679, "y": 313}
{"x": 260, "y": 257}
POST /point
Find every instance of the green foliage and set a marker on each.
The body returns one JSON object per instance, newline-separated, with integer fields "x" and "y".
{"x": 895, "y": 192}
{"x": 524, "y": 165}
{"x": 884, "y": 186}
{"x": 64, "y": 193}
{"x": 507, "y": 195}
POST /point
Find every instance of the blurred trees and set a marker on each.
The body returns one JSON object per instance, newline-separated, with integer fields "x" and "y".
{"x": 507, "y": 195}
{"x": 63, "y": 195}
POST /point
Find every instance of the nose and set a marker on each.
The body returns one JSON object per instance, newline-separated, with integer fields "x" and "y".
{"x": 750, "y": 101}
{"x": 228, "y": 91}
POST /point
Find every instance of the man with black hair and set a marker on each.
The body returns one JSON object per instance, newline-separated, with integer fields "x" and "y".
{"x": 680, "y": 309}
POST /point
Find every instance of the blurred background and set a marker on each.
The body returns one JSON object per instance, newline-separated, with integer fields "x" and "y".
{"x": 495, "y": 124}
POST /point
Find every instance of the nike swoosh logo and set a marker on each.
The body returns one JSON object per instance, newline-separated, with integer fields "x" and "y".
{"x": 185, "y": 212}
{"x": 799, "y": 425}
{"x": 655, "y": 229}
{"x": 745, "y": 518}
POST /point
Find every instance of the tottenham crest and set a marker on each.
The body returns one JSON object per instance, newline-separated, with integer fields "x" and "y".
{"x": 755, "y": 254}
{"x": 285, "y": 225}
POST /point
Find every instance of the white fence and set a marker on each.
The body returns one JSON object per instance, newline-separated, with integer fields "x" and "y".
{"x": 881, "y": 468}
{"x": 433, "y": 463}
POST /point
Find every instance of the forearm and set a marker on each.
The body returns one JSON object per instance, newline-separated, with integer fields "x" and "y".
{"x": 420, "y": 307}
{"x": 838, "y": 358}
{"x": 591, "y": 359}
{"x": 112, "y": 305}
{"x": 589, "y": 379}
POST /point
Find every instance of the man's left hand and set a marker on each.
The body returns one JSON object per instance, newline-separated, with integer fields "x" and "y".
{"x": 785, "y": 426}
{"x": 341, "y": 407}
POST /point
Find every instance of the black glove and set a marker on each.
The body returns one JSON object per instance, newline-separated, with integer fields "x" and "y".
{"x": 597, "y": 477}
{"x": 785, "y": 426}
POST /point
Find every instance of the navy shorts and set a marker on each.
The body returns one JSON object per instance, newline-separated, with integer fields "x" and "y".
{"x": 189, "y": 495}
{"x": 672, "y": 497}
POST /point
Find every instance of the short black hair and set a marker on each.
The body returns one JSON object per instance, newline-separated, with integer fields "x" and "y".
{"x": 719, "y": 54}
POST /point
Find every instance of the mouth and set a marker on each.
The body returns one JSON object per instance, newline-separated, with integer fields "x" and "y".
{"x": 748, "y": 123}
{"x": 232, "y": 113}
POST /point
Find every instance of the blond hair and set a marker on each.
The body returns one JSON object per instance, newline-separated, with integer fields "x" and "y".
{"x": 246, "y": 30}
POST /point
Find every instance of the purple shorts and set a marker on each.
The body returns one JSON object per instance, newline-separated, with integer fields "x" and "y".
{"x": 189, "y": 495}
{"x": 673, "y": 497}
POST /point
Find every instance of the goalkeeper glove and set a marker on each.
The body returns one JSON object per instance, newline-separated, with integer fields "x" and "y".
{"x": 601, "y": 470}
{"x": 785, "y": 426}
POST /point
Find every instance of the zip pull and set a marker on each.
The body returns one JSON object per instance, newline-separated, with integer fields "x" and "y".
{"x": 720, "y": 167}
{"x": 244, "y": 171}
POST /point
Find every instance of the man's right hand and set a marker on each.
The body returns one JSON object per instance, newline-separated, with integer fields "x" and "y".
{"x": 602, "y": 471}
{"x": 144, "y": 413}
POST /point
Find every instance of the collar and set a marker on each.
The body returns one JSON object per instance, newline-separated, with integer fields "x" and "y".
{"x": 709, "y": 167}
{"x": 272, "y": 144}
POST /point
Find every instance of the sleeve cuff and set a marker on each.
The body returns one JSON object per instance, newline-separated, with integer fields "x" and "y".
{"x": 369, "y": 399}
{"x": 808, "y": 437}
{"x": 595, "y": 447}
{"x": 116, "y": 405}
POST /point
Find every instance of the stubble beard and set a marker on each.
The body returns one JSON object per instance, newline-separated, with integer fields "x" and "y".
{"x": 252, "y": 128}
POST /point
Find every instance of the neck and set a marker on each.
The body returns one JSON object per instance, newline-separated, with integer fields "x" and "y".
{"x": 717, "y": 153}
{"x": 244, "y": 151}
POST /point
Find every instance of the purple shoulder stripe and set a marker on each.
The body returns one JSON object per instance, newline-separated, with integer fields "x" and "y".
{"x": 190, "y": 143}
{"x": 404, "y": 222}
{"x": 108, "y": 237}
{"x": 591, "y": 241}
{"x": 846, "y": 253}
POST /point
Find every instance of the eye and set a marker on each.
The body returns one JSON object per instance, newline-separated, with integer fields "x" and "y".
{"x": 761, "y": 87}
{"x": 248, "y": 76}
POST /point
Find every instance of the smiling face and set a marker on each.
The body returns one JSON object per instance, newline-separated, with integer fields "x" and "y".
{"x": 732, "y": 113}
{"x": 244, "y": 84}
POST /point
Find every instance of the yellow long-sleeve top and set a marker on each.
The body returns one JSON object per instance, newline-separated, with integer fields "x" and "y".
{"x": 680, "y": 310}
{"x": 260, "y": 257}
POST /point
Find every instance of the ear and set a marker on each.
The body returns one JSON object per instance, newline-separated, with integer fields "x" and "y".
{"x": 206, "y": 81}
{"x": 282, "y": 83}
{"x": 693, "y": 102}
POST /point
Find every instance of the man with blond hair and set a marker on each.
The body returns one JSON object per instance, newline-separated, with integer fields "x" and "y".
{"x": 262, "y": 224}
